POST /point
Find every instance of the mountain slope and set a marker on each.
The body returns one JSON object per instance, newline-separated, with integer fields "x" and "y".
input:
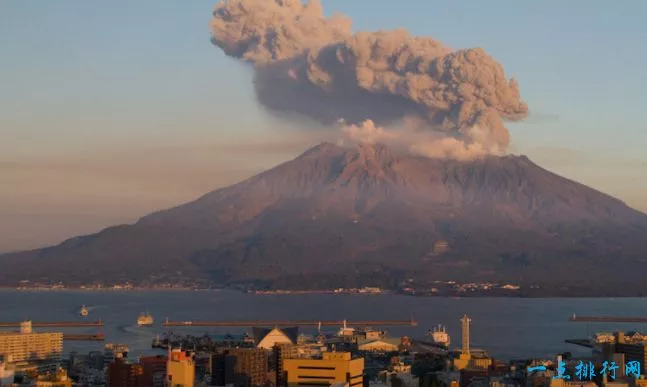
{"x": 352, "y": 216}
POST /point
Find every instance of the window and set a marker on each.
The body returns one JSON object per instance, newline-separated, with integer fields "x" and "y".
{"x": 315, "y": 368}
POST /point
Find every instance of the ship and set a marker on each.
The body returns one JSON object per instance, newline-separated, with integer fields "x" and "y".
{"x": 345, "y": 330}
{"x": 84, "y": 311}
{"x": 145, "y": 320}
{"x": 440, "y": 336}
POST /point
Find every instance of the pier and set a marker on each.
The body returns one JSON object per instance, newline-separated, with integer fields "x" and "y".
{"x": 76, "y": 337}
{"x": 288, "y": 323}
{"x": 612, "y": 319}
{"x": 580, "y": 342}
{"x": 55, "y": 324}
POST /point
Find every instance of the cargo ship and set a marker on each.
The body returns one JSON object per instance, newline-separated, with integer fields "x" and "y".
{"x": 440, "y": 336}
{"x": 145, "y": 320}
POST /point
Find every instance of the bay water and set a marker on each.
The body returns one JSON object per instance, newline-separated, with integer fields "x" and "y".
{"x": 507, "y": 328}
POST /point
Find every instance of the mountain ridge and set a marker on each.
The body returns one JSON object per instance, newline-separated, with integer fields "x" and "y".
{"x": 343, "y": 215}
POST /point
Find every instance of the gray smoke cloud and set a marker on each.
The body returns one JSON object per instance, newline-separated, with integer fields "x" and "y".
{"x": 310, "y": 65}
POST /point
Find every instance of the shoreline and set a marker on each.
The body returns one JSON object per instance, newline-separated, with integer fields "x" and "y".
{"x": 516, "y": 294}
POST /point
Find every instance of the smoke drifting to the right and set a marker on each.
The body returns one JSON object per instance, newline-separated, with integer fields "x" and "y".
{"x": 309, "y": 65}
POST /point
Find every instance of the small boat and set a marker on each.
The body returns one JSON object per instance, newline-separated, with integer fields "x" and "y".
{"x": 84, "y": 311}
{"x": 145, "y": 320}
{"x": 346, "y": 331}
{"x": 440, "y": 336}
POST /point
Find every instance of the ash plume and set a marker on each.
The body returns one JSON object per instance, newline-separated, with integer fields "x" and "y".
{"x": 423, "y": 143}
{"x": 310, "y": 65}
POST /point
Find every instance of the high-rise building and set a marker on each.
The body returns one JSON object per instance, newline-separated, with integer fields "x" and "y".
{"x": 281, "y": 352}
{"x": 123, "y": 374}
{"x": 242, "y": 367}
{"x": 180, "y": 369}
{"x": 333, "y": 368}
{"x": 154, "y": 370}
{"x": 29, "y": 350}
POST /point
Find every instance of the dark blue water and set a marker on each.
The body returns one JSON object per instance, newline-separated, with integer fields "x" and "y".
{"x": 505, "y": 327}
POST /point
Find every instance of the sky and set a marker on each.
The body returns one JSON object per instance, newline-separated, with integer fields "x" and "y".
{"x": 110, "y": 110}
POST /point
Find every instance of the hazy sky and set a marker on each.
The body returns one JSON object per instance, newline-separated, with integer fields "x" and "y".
{"x": 112, "y": 109}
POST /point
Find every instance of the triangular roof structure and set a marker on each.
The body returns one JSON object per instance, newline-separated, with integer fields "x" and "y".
{"x": 268, "y": 337}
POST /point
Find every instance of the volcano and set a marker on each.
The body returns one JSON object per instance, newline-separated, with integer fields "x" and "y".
{"x": 369, "y": 216}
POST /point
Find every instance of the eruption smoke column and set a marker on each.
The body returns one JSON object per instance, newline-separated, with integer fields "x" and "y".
{"x": 315, "y": 66}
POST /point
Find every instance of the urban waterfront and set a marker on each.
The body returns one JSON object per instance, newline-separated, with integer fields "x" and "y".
{"x": 505, "y": 327}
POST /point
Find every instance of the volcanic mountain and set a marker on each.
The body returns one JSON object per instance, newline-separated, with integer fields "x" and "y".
{"x": 366, "y": 215}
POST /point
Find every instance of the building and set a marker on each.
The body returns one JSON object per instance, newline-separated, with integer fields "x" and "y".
{"x": 203, "y": 363}
{"x": 154, "y": 370}
{"x": 379, "y": 345}
{"x": 29, "y": 350}
{"x": 467, "y": 358}
{"x": 633, "y": 352}
{"x": 56, "y": 379}
{"x": 641, "y": 382}
{"x": 280, "y": 353}
{"x": 112, "y": 351}
{"x": 334, "y": 367}
{"x": 242, "y": 367}
{"x": 471, "y": 377}
{"x": 180, "y": 369}
{"x": 563, "y": 383}
{"x": 267, "y": 338}
{"x": 123, "y": 374}
{"x": 7, "y": 374}
{"x": 372, "y": 334}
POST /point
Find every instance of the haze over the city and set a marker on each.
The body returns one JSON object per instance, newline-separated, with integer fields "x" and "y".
{"x": 111, "y": 110}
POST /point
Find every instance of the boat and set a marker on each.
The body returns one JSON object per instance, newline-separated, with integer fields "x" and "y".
{"x": 346, "y": 331}
{"x": 440, "y": 336}
{"x": 145, "y": 320}
{"x": 84, "y": 311}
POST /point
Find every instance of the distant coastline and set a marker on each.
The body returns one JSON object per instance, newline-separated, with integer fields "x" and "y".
{"x": 510, "y": 292}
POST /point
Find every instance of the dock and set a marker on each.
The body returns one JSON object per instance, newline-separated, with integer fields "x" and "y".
{"x": 55, "y": 324}
{"x": 288, "y": 323}
{"x": 580, "y": 342}
{"x": 607, "y": 319}
{"x": 76, "y": 337}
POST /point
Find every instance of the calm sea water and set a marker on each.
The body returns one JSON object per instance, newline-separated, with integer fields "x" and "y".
{"x": 505, "y": 327}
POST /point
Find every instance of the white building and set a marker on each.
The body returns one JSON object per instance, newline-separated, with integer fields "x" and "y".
{"x": 268, "y": 338}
